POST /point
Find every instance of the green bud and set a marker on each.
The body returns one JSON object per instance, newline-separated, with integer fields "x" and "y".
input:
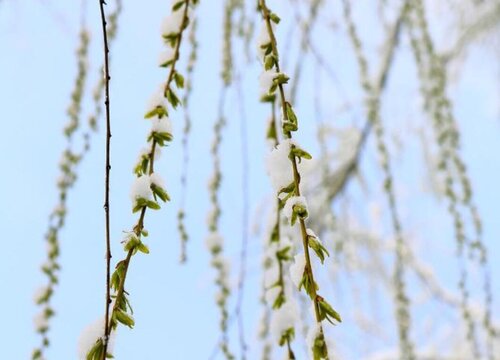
{"x": 124, "y": 318}
{"x": 274, "y": 18}
{"x": 326, "y": 311}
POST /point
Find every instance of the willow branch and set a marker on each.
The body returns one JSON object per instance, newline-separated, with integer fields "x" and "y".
{"x": 138, "y": 228}
{"x": 107, "y": 173}
{"x": 244, "y": 214}
{"x": 312, "y": 290}
{"x": 342, "y": 177}
{"x": 373, "y": 115}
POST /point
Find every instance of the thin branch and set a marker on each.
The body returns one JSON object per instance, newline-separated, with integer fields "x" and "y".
{"x": 304, "y": 44}
{"x": 373, "y": 115}
{"x": 322, "y": 309}
{"x": 139, "y": 227}
{"x": 342, "y": 176}
{"x": 107, "y": 174}
{"x": 481, "y": 25}
{"x": 181, "y": 226}
{"x": 244, "y": 214}
{"x": 296, "y": 175}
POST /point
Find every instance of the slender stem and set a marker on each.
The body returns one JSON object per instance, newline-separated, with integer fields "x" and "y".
{"x": 278, "y": 228}
{"x": 244, "y": 216}
{"x": 377, "y": 87}
{"x": 296, "y": 174}
{"x": 181, "y": 226}
{"x": 373, "y": 115}
{"x": 107, "y": 173}
{"x": 140, "y": 223}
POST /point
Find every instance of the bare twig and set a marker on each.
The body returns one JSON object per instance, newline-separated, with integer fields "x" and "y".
{"x": 107, "y": 174}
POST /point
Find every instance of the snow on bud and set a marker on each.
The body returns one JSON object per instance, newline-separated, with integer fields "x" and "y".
{"x": 316, "y": 342}
{"x": 52, "y": 248}
{"x": 266, "y": 82}
{"x": 41, "y": 321}
{"x": 130, "y": 240}
{"x": 263, "y": 41}
{"x": 211, "y": 217}
{"x": 157, "y": 180}
{"x": 41, "y": 294}
{"x": 316, "y": 244}
{"x": 269, "y": 254}
{"x": 295, "y": 206}
{"x": 284, "y": 319}
{"x": 214, "y": 241}
{"x": 297, "y": 269}
{"x": 224, "y": 267}
{"x": 271, "y": 276}
{"x": 285, "y": 242}
{"x": 278, "y": 166}
{"x": 141, "y": 189}
{"x": 144, "y": 155}
{"x": 220, "y": 298}
{"x": 166, "y": 57}
{"x": 90, "y": 335}
{"x": 156, "y": 101}
{"x": 161, "y": 125}
{"x": 272, "y": 294}
{"x": 171, "y": 25}
{"x": 311, "y": 233}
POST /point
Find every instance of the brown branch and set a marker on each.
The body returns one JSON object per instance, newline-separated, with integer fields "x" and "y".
{"x": 140, "y": 223}
{"x": 107, "y": 173}
{"x": 293, "y": 158}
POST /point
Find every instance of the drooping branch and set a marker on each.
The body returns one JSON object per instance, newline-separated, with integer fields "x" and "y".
{"x": 245, "y": 168}
{"x": 214, "y": 241}
{"x": 181, "y": 214}
{"x": 107, "y": 170}
{"x": 295, "y": 206}
{"x": 67, "y": 165}
{"x": 373, "y": 115}
{"x": 148, "y": 183}
{"x": 337, "y": 182}
{"x": 489, "y": 20}
{"x": 305, "y": 39}
{"x": 458, "y": 187}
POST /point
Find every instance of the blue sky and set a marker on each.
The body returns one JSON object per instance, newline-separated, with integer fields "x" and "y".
{"x": 173, "y": 304}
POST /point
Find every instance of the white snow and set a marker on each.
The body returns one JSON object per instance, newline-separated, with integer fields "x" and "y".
{"x": 313, "y": 234}
{"x": 40, "y": 293}
{"x": 279, "y": 167}
{"x": 41, "y": 321}
{"x": 271, "y": 275}
{"x": 262, "y": 40}
{"x": 144, "y": 153}
{"x": 129, "y": 236}
{"x": 161, "y": 125}
{"x": 141, "y": 189}
{"x": 166, "y": 56}
{"x": 266, "y": 79}
{"x": 291, "y": 202}
{"x": 271, "y": 294}
{"x": 284, "y": 318}
{"x": 214, "y": 241}
{"x": 90, "y": 335}
{"x": 157, "y": 100}
{"x": 313, "y": 332}
{"x": 157, "y": 180}
{"x": 297, "y": 269}
{"x": 172, "y": 23}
